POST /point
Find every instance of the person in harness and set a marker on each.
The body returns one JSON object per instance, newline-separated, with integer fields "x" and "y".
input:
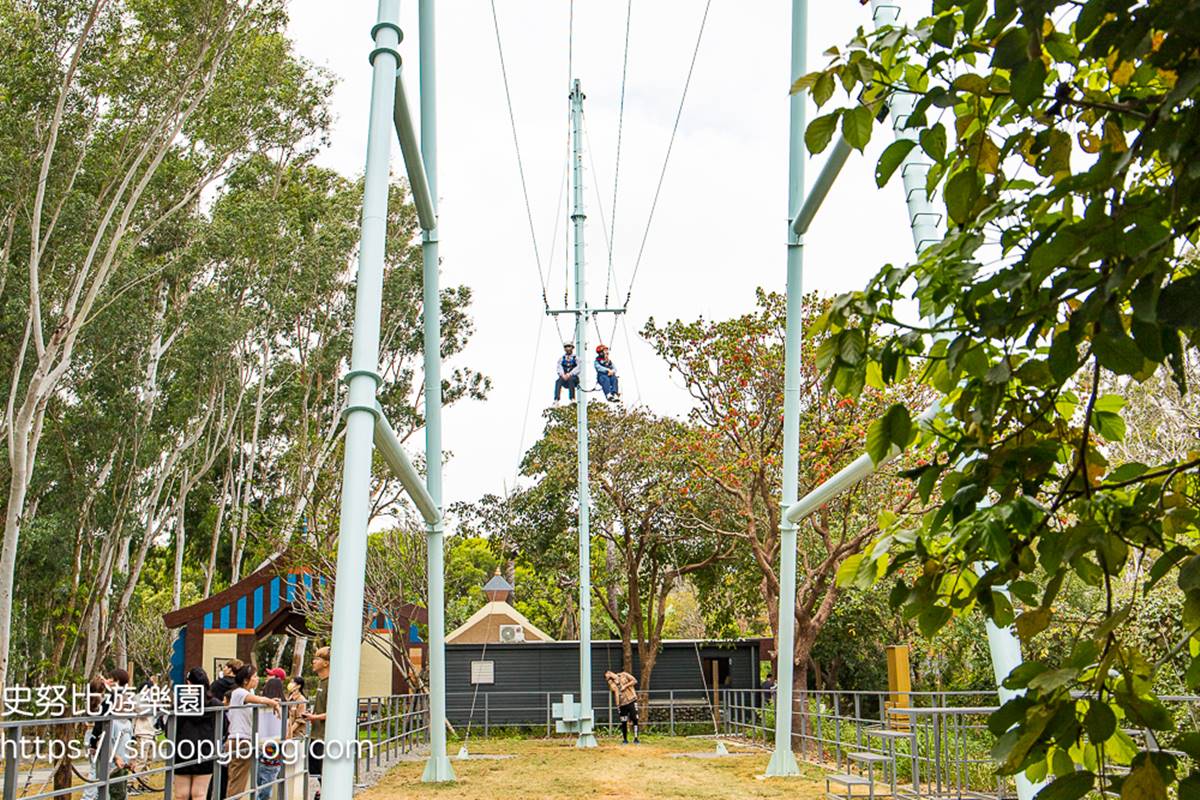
{"x": 568, "y": 373}
{"x": 606, "y": 375}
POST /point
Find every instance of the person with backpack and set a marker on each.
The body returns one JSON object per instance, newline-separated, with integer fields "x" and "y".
{"x": 606, "y": 374}
{"x": 568, "y": 373}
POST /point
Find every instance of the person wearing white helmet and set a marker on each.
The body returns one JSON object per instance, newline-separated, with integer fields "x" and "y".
{"x": 568, "y": 373}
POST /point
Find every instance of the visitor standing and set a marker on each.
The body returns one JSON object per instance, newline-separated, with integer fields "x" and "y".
{"x": 293, "y": 769}
{"x": 241, "y": 744}
{"x": 195, "y": 742}
{"x": 270, "y": 737}
{"x": 316, "y": 717}
{"x": 622, "y": 685}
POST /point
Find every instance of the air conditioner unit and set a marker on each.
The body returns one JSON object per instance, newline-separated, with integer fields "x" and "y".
{"x": 512, "y": 633}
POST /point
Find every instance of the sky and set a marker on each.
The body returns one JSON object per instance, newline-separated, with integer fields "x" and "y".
{"x": 718, "y": 232}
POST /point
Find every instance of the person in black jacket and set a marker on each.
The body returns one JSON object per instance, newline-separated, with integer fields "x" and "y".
{"x": 225, "y": 684}
{"x": 195, "y": 743}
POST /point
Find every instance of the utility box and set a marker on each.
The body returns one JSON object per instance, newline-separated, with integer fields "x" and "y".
{"x": 899, "y": 687}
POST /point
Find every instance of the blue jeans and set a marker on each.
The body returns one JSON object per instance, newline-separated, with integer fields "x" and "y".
{"x": 570, "y": 384}
{"x": 266, "y": 774}
{"x": 608, "y": 383}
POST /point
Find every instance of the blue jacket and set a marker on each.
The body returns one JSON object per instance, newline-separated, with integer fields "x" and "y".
{"x": 568, "y": 366}
{"x": 604, "y": 366}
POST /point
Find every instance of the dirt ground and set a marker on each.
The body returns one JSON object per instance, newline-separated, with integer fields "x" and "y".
{"x": 545, "y": 769}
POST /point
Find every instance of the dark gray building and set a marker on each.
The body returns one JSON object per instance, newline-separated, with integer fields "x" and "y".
{"x": 515, "y": 683}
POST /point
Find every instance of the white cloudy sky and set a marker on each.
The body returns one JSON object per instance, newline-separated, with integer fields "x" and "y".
{"x": 719, "y": 228}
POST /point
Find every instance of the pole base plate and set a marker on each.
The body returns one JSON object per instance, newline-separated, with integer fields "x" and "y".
{"x": 438, "y": 770}
{"x": 783, "y": 764}
{"x": 586, "y": 740}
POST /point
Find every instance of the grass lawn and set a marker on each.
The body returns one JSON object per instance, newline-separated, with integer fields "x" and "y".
{"x": 554, "y": 768}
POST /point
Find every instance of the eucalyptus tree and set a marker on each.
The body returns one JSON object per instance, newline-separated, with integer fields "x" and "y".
{"x": 118, "y": 116}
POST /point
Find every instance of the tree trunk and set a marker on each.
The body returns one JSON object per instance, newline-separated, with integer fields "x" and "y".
{"x": 800, "y": 707}
{"x": 277, "y": 659}
{"x": 20, "y": 462}
{"x": 211, "y": 569}
{"x": 177, "y": 586}
{"x": 648, "y": 660}
{"x": 239, "y": 545}
{"x": 301, "y": 644}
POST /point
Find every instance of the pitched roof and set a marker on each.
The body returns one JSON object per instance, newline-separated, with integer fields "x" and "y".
{"x": 498, "y": 609}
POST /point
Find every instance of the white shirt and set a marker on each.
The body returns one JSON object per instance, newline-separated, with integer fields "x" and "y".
{"x": 238, "y": 715}
{"x": 270, "y": 727}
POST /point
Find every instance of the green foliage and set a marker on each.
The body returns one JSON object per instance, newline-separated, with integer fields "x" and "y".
{"x": 188, "y": 353}
{"x": 1062, "y": 138}
{"x": 734, "y": 449}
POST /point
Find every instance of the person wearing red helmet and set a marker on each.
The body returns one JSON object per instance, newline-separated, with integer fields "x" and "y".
{"x": 606, "y": 375}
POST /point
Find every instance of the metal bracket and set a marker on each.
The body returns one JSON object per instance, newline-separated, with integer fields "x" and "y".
{"x": 354, "y": 373}
{"x": 384, "y": 49}
{"x": 379, "y": 26}
{"x": 352, "y": 408}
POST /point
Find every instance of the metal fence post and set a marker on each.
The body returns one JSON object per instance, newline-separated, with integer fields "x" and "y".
{"x": 486, "y": 713}
{"x": 12, "y": 742}
{"x": 837, "y": 730}
{"x": 671, "y": 705}
{"x": 104, "y": 758}
{"x": 169, "y": 775}
{"x": 549, "y": 714}
{"x": 858, "y": 720}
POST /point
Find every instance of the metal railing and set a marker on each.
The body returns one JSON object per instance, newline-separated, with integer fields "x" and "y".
{"x": 672, "y": 711}
{"x": 34, "y": 750}
{"x": 938, "y": 746}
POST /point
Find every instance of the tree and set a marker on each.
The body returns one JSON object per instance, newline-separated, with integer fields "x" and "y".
{"x": 644, "y": 546}
{"x": 734, "y": 372}
{"x": 1061, "y": 136}
{"x": 118, "y": 116}
{"x": 394, "y": 582}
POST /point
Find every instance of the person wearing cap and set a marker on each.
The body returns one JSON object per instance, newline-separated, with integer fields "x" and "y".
{"x": 568, "y": 373}
{"x": 606, "y": 374}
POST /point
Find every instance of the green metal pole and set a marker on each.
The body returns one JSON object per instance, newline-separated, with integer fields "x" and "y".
{"x": 437, "y": 768}
{"x": 586, "y": 737}
{"x": 783, "y": 762}
{"x": 346, "y": 639}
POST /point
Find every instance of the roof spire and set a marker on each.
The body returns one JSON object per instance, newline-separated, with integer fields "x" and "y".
{"x": 497, "y": 589}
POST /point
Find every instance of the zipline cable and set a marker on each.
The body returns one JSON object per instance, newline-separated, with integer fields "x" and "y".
{"x": 670, "y": 144}
{"x": 612, "y": 278}
{"x": 637, "y": 384}
{"x": 617, "y": 168}
{"x": 570, "y": 45}
{"x": 537, "y": 348}
{"x": 520, "y": 164}
{"x": 559, "y": 217}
